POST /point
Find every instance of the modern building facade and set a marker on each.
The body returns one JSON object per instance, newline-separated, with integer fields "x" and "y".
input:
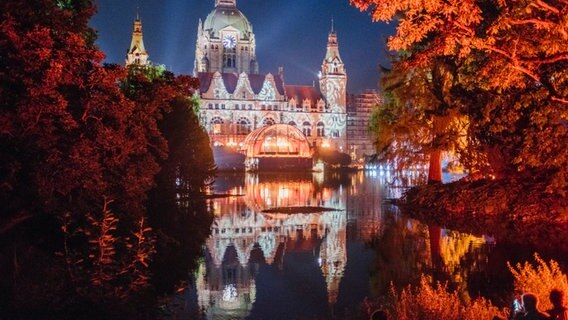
{"x": 359, "y": 110}
{"x": 236, "y": 99}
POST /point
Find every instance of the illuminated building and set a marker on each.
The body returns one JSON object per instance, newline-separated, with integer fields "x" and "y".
{"x": 359, "y": 138}
{"x": 236, "y": 99}
{"x": 137, "y": 55}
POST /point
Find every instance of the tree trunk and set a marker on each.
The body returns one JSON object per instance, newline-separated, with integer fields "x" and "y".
{"x": 435, "y": 167}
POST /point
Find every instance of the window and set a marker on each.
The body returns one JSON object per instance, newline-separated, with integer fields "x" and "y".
{"x": 320, "y": 130}
{"x": 230, "y": 58}
{"x": 307, "y": 129}
{"x": 210, "y": 106}
{"x": 243, "y": 126}
{"x": 216, "y": 125}
{"x": 268, "y": 121}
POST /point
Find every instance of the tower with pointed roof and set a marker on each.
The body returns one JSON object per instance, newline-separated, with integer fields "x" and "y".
{"x": 333, "y": 81}
{"x": 137, "y": 55}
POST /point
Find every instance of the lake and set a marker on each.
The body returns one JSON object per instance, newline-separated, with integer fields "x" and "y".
{"x": 318, "y": 245}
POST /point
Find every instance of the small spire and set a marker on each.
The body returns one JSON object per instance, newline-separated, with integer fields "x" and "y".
{"x": 332, "y": 31}
{"x": 138, "y": 11}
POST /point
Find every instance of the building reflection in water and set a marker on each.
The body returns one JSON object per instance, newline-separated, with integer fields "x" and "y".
{"x": 302, "y": 255}
{"x": 244, "y": 237}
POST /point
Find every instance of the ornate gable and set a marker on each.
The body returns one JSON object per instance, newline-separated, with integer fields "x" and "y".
{"x": 243, "y": 89}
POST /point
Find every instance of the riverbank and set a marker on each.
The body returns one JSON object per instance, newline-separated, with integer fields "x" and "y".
{"x": 517, "y": 211}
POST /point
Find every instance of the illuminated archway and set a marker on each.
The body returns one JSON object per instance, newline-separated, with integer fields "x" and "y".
{"x": 280, "y": 146}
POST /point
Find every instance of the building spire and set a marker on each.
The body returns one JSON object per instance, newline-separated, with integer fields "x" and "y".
{"x": 332, "y": 31}
{"x": 225, "y": 3}
{"x": 137, "y": 54}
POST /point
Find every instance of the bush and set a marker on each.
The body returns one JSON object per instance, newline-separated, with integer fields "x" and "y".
{"x": 539, "y": 279}
{"x": 429, "y": 301}
{"x": 436, "y": 302}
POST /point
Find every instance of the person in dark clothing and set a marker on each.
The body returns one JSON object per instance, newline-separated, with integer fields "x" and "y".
{"x": 558, "y": 311}
{"x": 530, "y": 306}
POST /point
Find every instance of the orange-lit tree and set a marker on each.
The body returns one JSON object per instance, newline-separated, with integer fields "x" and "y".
{"x": 418, "y": 120}
{"x": 514, "y": 85}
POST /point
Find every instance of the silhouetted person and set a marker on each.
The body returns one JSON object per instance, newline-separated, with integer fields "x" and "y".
{"x": 530, "y": 306}
{"x": 379, "y": 315}
{"x": 558, "y": 311}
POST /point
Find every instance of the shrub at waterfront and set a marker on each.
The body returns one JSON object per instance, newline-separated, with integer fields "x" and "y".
{"x": 429, "y": 301}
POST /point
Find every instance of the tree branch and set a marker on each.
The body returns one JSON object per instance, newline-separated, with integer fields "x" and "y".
{"x": 532, "y": 21}
{"x": 547, "y": 6}
{"x": 562, "y": 100}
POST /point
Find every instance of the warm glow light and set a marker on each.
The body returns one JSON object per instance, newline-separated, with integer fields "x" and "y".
{"x": 325, "y": 144}
{"x": 282, "y": 143}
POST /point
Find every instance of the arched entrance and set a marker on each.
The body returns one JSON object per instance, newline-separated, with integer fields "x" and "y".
{"x": 277, "y": 147}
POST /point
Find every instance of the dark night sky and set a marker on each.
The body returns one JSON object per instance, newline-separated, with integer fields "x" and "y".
{"x": 291, "y": 33}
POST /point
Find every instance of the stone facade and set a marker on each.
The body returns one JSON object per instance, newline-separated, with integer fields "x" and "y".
{"x": 236, "y": 99}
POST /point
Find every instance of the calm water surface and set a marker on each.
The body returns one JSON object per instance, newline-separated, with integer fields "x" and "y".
{"x": 322, "y": 265}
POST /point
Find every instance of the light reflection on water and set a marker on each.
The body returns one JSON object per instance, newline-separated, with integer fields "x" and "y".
{"x": 320, "y": 265}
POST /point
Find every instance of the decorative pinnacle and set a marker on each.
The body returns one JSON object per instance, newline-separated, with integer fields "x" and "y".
{"x": 332, "y": 24}
{"x": 138, "y": 10}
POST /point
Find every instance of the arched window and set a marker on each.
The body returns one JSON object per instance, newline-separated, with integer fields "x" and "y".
{"x": 243, "y": 126}
{"x": 307, "y": 129}
{"x": 229, "y": 58}
{"x": 320, "y": 130}
{"x": 292, "y": 123}
{"x": 216, "y": 125}
{"x": 268, "y": 121}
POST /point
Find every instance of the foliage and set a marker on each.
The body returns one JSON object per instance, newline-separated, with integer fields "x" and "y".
{"x": 332, "y": 157}
{"x": 68, "y": 134}
{"x": 510, "y": 81}
{"x": 418, "y": 120}
{"x": 75, "y": 133}
{"x": 177, "y": 208}
{"x": 115, "y": 266}
{"x": 539, "y": 279}
{"x": 427, "y": 301}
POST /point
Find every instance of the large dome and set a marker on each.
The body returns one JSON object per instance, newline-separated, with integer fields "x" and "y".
{"x": 222, "y": 17}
